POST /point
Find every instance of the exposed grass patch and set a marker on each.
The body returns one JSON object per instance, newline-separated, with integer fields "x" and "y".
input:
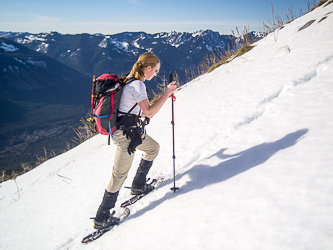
{"x": 322, "y": 19}
{"x": 244, "y": 49}
{"x": 306, "y": 25}
{"x": 326, "y": 2}
{"x": 247, "y": 47}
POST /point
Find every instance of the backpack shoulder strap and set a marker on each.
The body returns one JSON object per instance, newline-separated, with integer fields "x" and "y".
{"x": 125, "y": 82}
{"x": 129, "y": 80}
{"x": 129, "y": 111}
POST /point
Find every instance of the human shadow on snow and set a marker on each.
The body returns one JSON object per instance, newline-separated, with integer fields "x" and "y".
{"x": 232, "y": 165}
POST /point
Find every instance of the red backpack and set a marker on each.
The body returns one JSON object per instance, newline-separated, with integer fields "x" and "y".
{"x": 106, "y": 93}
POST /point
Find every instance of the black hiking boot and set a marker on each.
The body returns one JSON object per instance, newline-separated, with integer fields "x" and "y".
{"x": 103, "y": 217}
{"x": 139, "y": 184}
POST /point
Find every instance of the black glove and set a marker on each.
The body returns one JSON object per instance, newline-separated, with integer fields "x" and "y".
{"x": 134, "y": 134}
{"x": 136, "y": 141}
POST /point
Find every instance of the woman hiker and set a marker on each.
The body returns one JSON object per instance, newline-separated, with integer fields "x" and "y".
{"x": 131, "y": 136}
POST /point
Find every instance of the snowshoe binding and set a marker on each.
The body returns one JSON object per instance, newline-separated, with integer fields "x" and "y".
{"x": 107, "y": 223}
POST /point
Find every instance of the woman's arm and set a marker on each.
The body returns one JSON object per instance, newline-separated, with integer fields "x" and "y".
{"x": 150, "y": 111}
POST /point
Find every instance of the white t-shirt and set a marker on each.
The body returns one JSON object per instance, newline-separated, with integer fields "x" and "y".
{"x": 134, "y": 92}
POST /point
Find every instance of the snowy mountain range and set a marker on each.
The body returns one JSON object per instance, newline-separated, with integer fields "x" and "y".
{"x": 97, "y": 54}
{"x": 254, "y": 162}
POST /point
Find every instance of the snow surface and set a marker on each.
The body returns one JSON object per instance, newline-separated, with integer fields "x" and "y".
{"x": 254, "y": 162}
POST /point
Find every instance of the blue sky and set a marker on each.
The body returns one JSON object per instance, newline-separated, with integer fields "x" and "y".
{"x": 151, "y": 16}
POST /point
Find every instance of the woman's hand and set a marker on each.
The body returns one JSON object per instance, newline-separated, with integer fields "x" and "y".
{"x": 150, "y": 111}
{"x": 172, "y": 87}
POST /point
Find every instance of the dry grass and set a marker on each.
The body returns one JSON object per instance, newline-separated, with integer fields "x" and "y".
{"x": 322, "y": 2}
{"x": 247, "y": 47}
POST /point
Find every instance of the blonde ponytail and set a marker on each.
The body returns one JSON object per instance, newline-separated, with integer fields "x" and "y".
{"x": 145, "y": 60}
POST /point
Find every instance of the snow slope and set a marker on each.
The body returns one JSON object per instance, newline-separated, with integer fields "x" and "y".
{"x": 254, "y": 142}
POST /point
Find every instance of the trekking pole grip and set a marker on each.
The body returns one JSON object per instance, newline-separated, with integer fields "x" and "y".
{"x": 171, "y": 79}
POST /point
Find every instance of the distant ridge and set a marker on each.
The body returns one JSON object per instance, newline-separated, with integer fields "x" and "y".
{"x": 94, "y": 54}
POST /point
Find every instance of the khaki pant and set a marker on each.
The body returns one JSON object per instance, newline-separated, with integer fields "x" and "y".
{"x": 123, "y": 161}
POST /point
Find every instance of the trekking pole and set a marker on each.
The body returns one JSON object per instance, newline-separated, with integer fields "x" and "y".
{"x": 173, "y": 99}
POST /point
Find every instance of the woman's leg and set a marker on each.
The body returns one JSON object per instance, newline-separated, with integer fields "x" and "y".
{"x": 122, "y": 164}
{"x": 151, "y": 149}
